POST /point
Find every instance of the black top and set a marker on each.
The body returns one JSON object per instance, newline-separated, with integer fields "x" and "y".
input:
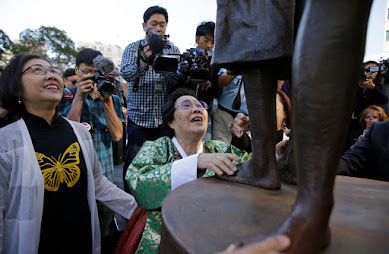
{"x": 365, "y": 98}
{"x": 66, "y": 220}
{"x": 370, "y": 157}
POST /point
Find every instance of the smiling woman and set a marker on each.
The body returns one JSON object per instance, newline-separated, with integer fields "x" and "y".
{"x": 163, "y": 165}
{"x": 50, "y": 177}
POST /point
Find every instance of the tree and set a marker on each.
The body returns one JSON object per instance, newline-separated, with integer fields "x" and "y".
{"x": 49, "y": 41}
{"x": 5, "y": 45}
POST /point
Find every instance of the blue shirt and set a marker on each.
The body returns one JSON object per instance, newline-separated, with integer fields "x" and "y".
{"x": 229, "y": 93}
{"x": 144, "y": 107}
{"x": 93, "y": 114}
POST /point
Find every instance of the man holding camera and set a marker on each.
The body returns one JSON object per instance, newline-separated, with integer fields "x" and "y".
{"x": 205, "y": 90}
{"x": 102, "y": 115}
{"x": 147, "y": 90}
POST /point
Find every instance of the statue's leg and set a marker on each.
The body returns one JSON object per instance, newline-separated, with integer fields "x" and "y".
{"x": 260, "y": 89}
{"x": 328, "y": 55}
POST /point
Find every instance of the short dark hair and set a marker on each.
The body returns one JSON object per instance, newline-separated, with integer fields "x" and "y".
{"x": 86, "y": 56}
{"x": 206, "y": 28}
{"x": 378, "y": 77}
{"x": 168, "y": 108}
{"x": 11, "y": 83}
{"x": 371, "y": 62}
{"x": 153, "y": 10}
{"x": 69, "y": 72}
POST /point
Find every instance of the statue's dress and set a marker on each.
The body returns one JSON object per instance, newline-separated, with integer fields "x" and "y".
{"x": 253, "y": 30}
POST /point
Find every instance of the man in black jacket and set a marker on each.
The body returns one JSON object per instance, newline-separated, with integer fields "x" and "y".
{"x": 370, "y": 157}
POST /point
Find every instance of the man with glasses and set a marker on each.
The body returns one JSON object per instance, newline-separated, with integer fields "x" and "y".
{"x": 147, "y": 90}
{"x": 103, "y": 116}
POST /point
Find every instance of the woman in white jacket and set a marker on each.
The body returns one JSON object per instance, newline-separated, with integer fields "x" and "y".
{"x": 50, "y": 177}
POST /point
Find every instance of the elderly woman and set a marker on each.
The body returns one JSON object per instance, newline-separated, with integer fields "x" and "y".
{"x": 165, "y": 164}
{"x": 50, "y": 177}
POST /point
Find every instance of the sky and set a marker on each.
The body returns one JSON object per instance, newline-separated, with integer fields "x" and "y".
{"x": 110, "y": 22}
{"x": 119, "y": 22}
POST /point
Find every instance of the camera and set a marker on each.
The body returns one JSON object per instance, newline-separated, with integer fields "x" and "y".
{"x": 196, "y": 64}
{"x": 384, "y": 64}
{"x": 104, "y": 83}
{"x": 363, "y": 76}
{"x": 161, "y": 63}
{"x": 102, "y": 79}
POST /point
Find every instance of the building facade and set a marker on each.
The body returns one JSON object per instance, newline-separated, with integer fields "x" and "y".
{"x": 113, "y": 52}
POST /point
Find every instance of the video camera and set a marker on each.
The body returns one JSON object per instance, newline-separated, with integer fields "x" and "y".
{"x": 164, "y": 64}
{"x": 384, "y": 65}
{"x": 196, "y": 63}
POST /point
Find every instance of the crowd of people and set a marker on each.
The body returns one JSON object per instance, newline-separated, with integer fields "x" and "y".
{"x": 58, "y": 131}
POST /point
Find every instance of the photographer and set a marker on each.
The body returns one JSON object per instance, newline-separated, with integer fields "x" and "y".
{"x": 205, "y": 90}
{"x": 369, "y": 91}
{"x": 102, "y": 112}
{"x": 147, "y": 90}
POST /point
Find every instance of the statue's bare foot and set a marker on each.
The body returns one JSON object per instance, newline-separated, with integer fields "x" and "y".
{"x": 251, "y": 174}
{"x": 308, "y": 230}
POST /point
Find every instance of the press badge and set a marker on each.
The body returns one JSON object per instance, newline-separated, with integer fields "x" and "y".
{"x": 158, "y": 84}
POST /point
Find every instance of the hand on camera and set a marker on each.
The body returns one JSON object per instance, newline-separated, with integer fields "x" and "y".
{"x": 85, "y": 85}
{"x": 148, "y": 54}
{"x": 101, "y": 97}
{"x": 369, "y": 84}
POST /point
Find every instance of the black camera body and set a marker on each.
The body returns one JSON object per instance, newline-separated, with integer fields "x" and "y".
{"x": 161, "y": 63}
{"x": 104, "y": 83}
{"x": 384, "y": 65}
{"x": 196, "y": 63}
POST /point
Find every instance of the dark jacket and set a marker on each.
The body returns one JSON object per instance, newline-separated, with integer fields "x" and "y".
{"x": 370, "y": 157}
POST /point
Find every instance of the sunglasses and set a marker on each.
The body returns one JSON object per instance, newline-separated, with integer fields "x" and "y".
{"x": 187, "y": 104}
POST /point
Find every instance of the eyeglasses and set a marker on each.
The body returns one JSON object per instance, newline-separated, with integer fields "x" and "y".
{"x": 87, "y": 71}
{"x": 187, "y": 104}
{"x": 40, "y": 70}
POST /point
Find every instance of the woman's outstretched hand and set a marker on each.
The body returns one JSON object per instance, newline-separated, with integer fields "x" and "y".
{"x": 271, "y": 245}
{"x": 219, "y": 163}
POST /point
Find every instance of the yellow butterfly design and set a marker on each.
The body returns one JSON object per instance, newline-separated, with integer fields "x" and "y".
{"x": 64, "y": 169}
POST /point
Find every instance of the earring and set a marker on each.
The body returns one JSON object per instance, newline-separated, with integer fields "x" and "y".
{"x": 19, "y": 101}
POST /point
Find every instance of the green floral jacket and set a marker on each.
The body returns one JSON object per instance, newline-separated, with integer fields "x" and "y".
{"x": 149, "y": 178}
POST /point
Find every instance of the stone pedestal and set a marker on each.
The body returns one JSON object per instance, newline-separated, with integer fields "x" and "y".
{"x": 207, "y": 215}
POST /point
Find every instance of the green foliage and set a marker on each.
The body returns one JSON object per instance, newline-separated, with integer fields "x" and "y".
{"x": 49, "y": 41}
{"x": 5, "y": 45}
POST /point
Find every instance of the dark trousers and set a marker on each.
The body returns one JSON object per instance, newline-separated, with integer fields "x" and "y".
{"x": 137, "y": 135}
{"x": 109, "y": 233}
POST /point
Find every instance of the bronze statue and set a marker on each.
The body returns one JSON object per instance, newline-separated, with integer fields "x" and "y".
{"x": 261, "y": 40}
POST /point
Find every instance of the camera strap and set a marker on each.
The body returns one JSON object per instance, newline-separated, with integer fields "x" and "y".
{"x": 238, "y": 100}
{"x": 137, "y": 74}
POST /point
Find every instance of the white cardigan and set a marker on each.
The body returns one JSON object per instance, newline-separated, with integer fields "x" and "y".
{"x": 22, "y": 189}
